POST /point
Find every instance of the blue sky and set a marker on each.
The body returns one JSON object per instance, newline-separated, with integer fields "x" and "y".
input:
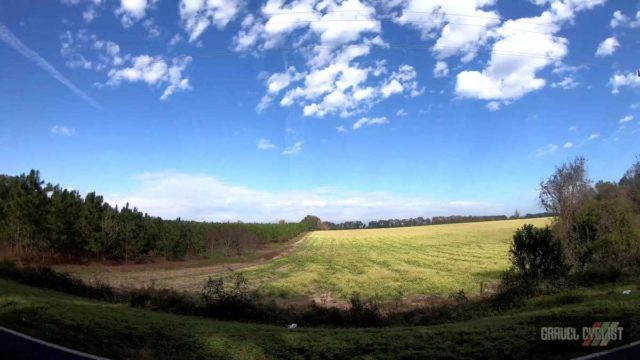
{"x": 261, "y": 110}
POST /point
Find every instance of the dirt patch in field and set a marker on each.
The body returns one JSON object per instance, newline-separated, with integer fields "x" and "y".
{"x": 189, "y": 275}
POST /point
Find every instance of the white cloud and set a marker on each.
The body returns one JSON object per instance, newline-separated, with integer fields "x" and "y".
{"x": 10, "y": 39}
{"x": 341, "y": 128}
{"x": 334, "y": 37}
{"x": 573, "y": 128}
{"x": 175, "y": 40}
{"x": 460, "y": 27}
{"x": 441, "y": 69}
{"x": 370, "y": 121}
{"x": 131, "y": 11}
{"x": 493, "y": 105}
{"x": 401, "y": 112}
{"x": 590, "y": 138}
{"x": 91, "y": 8}
{"x": 568, "y": 145}
{"x": 619, "y": 80}
{"x": 621, "y": 20}
{"x": 206, "y": 198}
{"x": 63, "y": 130}
{"x": 265, "y": 144}
{"x": 155, "y": 71}
{"x": 546, "y": 150}
{"x": 618, "y": 20}
{"x": 626, "y": 119}
{"x": 293, "y": 149}
{"x": 340, "y": 88}
{"x": 567, "y": 83}
{"x": 607, "y": 47}
{"x": 198, "y": 15}
{"x": 509, "y": 75}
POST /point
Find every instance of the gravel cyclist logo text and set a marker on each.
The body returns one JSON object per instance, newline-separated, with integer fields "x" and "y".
{"x": 599, "y": 334}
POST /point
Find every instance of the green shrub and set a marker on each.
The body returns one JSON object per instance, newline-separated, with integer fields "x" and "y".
{"x": 537, "y": 255}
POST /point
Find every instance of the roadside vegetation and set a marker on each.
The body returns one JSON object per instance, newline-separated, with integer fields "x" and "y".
{"x": 119, "y": 331}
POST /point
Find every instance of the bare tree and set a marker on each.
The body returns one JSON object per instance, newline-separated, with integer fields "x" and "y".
{"x": 564, "y": 194}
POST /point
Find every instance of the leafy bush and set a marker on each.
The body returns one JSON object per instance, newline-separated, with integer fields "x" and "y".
{"x": 536, "y": 254}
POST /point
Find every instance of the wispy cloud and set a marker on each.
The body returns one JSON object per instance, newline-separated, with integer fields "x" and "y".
{"x": 546, "y": 150}
{"x": 341, "y": 128}
{"x": 293, "y": 149}
{"x": 592, "y": 137}
{"x": 626, "y": 119}
{"x": 204, "y": 197}
{"x": 63, "y": 130}
{"x": 10, "y": 39}
{"x": 370, "y": 121}
{"x": 265, "y": 144}
{"x": 568, "y": 145}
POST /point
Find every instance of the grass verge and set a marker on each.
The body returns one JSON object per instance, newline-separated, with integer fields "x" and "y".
{"x": 118, "y": 331}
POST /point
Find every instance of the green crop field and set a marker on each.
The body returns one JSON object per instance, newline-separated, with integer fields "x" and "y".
{"x": 391, "y": 263}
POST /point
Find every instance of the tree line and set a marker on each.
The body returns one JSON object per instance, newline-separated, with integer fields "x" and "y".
{"x": 39, "y": 220}
{"x": 421, "y": 221}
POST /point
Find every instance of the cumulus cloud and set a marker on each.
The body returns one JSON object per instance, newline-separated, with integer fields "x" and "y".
{"x": 334, "y": 37}
{"x": 106, "y": 53}
{"x": 265, "y": 144}
{"x": 401, "y": 112}
{"x": 63, "y": 130}
{"x": 621, "y": 20}
{"x": 508, "y": 75}
{"x": 293, "y": 149}
{"x": 460, "y": 27}
{"x": 154, "y": 71}
{"x": 618, "y": 20}
{"x": 441, "y": 69}
{"x": 370, "y": 121}
{"x": 607, "y": 47}
{"x": 206, "y": 198}
{"x": 131, "y": 11}
{"x": 568, "y": 145}
{"x": 198, "y": 15}
{"x": 341, "y": 128}
{"x": 620, "y": 80}
{"x": 567, "y": 83}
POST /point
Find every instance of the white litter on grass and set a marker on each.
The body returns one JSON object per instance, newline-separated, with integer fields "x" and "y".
{"x": 626, "y": 292}
{"x": 293, "y": 326}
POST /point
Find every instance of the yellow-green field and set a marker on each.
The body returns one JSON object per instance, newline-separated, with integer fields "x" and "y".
{"x": 391, "y": 263}
{"x": 412, "y": 263}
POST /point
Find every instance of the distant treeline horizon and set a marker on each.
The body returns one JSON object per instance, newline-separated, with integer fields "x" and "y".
{"x": 421, "y": 221}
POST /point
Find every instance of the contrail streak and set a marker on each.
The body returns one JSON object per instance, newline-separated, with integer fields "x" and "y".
{"x": 11, "y": 40}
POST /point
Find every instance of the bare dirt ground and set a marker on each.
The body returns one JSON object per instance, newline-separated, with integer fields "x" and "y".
{"x": 188, "y": 275}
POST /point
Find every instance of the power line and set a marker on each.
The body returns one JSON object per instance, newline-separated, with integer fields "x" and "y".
{"x": 397, "y": 47}
{"x": 441, "y": 13}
